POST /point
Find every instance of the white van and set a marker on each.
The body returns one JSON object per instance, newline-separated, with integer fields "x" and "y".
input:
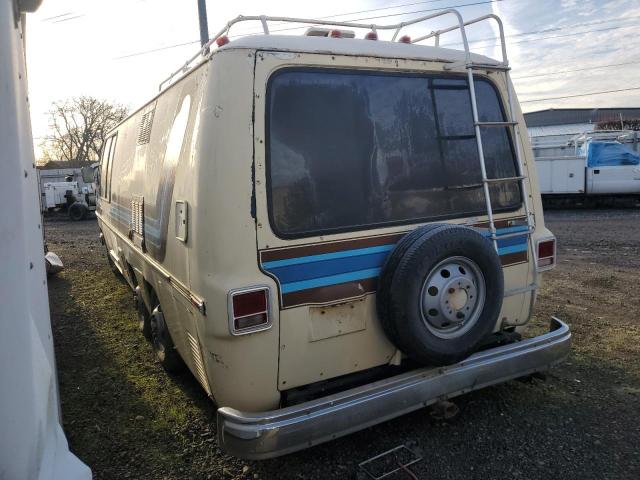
{"x": 331, "y": 231}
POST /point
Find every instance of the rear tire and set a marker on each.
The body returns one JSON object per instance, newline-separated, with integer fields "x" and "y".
{"x": 163, "y": 345}
{"x": 144, "y": 321}
{"x": 78, "y": 211}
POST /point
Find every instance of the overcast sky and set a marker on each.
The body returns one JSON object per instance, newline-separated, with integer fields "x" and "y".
{"x": 97, "y": 47}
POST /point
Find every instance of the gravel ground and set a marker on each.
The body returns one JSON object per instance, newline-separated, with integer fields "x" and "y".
{"x": 126, "y": 418}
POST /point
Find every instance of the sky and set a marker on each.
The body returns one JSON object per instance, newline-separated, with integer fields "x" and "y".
{"x": 120, "y": 50}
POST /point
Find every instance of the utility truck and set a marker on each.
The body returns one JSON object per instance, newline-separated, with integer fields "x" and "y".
{"x": 591, "y": 166}
{"x": 331, "y": 229}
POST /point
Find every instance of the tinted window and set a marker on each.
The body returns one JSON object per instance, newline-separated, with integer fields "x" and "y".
{"x": 104, "y": 167}
{"x": 353, "y": 150}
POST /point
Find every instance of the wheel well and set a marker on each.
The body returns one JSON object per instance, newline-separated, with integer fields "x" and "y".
{"x": 151, "y": 294}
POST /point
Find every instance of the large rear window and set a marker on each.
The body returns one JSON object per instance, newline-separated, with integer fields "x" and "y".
{"x": 353, "y": 150}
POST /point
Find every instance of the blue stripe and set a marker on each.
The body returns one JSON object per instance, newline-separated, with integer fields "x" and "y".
{"x": 321, "y": 270}
{"x": 327, "y": 268}
{"x": 519, "y": 228}
{"x": 512, "y": 249}
{"x": 507, "y": 242}
{"x": 327, "y": 256}
{"x": 331, "y": 280}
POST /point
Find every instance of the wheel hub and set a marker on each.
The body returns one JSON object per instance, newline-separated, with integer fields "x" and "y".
{"x": 453, "y": 297}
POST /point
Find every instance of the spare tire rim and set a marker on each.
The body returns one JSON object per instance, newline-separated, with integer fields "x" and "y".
{"x": 453, "y": 297}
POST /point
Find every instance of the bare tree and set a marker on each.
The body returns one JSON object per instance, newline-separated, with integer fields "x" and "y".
{"x": 79, "y": 127}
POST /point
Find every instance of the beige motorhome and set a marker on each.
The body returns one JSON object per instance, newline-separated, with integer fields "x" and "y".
{"x": 331, "y": 231}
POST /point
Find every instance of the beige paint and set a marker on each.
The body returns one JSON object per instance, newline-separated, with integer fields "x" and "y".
{"x": 214, "y": 180}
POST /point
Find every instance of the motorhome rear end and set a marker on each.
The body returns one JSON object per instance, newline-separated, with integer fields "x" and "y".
{"x": 306, "y": 220}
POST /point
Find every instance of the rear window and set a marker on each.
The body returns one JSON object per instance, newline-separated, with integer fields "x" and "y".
{"x": 357, "y": 150}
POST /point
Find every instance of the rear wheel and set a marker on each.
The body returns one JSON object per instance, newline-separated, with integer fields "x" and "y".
{"x": 163, "y": 345}
{"x": 78, "y": 211}
{"x": 144, "y": 321}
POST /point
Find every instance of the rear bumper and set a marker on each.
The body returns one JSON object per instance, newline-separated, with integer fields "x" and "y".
{"x": 270, "y": 434}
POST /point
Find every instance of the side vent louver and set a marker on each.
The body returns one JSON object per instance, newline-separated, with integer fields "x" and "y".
{"x": 144, "y": 134}
{"x": 198, "y": 363}
{"x": 136, "y": 227}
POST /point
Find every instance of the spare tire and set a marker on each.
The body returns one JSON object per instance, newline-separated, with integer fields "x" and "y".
{"x": 440, "y": 293}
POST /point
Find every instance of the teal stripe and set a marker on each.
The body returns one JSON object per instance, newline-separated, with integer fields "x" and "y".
{"x": 513, "y": 249}
{"x": 327, "y": 256}
{"x": 504, "y": 231}
{"x": 330, "y": 280}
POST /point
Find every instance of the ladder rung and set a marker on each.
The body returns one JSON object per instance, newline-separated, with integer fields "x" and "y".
{"x": 527, "y": 232}
{"x": 496, "y": 124}
{"x": 506, "y": 179}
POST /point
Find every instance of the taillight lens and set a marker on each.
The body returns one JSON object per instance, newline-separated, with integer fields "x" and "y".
{"x": 546, "y": 254}
{"x": 371, "y": 36}
{"x": 249, "y": 310}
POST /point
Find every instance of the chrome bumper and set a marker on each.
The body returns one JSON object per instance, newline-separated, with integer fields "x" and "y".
{"x": 270, "y": 434}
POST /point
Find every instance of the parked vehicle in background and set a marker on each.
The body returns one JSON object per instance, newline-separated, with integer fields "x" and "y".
{"x": 79, "y": 198}
{"x": 592, "y": 166}
{"x": 331, "y": 231}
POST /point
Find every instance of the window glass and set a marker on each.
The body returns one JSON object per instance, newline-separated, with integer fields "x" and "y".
{"x": 104, "y": 167}
{"x": 353, "y": 150}
{"x": 112, "y": 154}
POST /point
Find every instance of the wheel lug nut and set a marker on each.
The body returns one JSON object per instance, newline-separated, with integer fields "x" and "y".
{"x": 452, "y": 290}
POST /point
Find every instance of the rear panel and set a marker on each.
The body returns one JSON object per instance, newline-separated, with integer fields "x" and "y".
{"x": 321, "y": 239}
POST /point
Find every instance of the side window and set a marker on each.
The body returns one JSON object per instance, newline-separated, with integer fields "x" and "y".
{"x": 112, "y": 155}
{"x": 104, "y": 167}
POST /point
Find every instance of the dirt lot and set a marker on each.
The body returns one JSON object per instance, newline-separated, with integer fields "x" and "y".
{"x": 126, "y": 418}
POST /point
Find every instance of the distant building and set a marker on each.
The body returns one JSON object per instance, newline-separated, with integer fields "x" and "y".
{"x": 572, "y": 121}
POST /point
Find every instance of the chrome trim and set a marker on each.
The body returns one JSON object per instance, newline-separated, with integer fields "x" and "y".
{"x": 257, "y": 328}
{"x": 262, "y": 435}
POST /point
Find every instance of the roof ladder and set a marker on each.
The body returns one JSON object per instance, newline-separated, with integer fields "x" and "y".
{"x": 510, "y": 123}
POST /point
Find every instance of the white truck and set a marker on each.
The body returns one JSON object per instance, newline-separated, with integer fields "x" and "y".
{"x": 78, "y": 199}
{"x": 598, "y": 169}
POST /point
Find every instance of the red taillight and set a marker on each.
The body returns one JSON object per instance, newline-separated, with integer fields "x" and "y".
{"x": 221, "y": 41}
{"x": 405, "y": 39}
{"x": 335, "y": 34}
{"x": 249, "y": 310}
{"x": 546, "y": 254}
{"x": 371, "y": 36}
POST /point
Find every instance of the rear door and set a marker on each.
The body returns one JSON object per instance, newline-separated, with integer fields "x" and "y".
{"x": 351, "y": 154}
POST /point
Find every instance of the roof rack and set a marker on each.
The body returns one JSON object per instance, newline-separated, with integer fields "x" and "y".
{"x": 396, "y": 27}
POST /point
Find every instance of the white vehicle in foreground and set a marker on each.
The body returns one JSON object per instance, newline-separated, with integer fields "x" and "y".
{"x": 331, "y": 231}
{"x": 32, "y": 443}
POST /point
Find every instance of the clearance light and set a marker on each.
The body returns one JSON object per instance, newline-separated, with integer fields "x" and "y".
{"x": 249, "y": 310}
{"x": 371, "y": 36}
{"x": 221, "y": 41}
{"x": 546, "y": 254}
{"x": 405, "y": 39}
{"x": 335, "y": 34}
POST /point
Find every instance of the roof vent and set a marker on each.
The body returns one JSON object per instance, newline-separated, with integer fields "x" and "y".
{"x": 325, "y": 32}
